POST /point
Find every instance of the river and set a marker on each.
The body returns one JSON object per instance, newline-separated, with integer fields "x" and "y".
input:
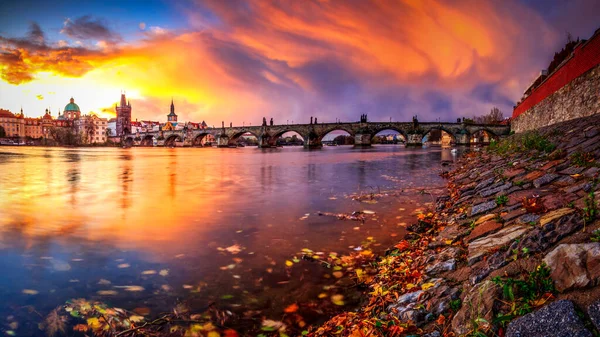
{"x": 152, "y": 227}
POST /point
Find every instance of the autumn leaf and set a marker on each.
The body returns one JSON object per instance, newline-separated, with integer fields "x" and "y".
{"x": 291, "y": 308}
{"x": 403, "y": 245}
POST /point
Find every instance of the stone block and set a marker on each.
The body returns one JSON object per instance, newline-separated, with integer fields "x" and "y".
{"x": 556, "y": 319}
{"x": 574, "y": 265}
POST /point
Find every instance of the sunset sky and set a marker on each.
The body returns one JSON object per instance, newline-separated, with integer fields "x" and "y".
{"x": 238, "y": 61}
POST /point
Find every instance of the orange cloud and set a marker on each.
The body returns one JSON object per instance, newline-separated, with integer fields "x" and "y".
{"x": 294, "y": 59}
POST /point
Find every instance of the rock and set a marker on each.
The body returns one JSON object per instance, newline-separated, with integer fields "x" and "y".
{"x": 416, "y": 306}
{"x": 483, "y": 207}
{"x": 586, "y": 186}
{"x": 494, "y": 190}
{"x": 528, "y": 218}
{"x": 594, "y": 313}
{"x": 574, "y": 265}
{"x": 557, "y": 214}
{"x": 441, "y": 267}
{"x": 483, "y": 229}
{"x": 514, "y": 214}
{"x": 544, "y": 180}
{"x": 478, "y": 303}
{"x": 591, "y": 172}
{"x": 481, "y": 246}
{"x": 550, "y": 165}
{"x": 533, "y": 175}
{"x": 513, "y": 173}
{"x": 485, "y": 218}
{"x": 564, "y": 181}
{"x": 484, "y": 184}
{"x": 556, "y": 319}
{"x": 572, "y": 170}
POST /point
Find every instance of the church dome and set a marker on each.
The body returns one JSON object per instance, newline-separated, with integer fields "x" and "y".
{"x": 72, "y": 106}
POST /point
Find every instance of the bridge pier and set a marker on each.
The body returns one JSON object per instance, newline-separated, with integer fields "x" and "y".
{"x": 362, "y": 140}
{"x": 462, "y": 139}
{"x": 312, "y": 143}
{"x": 414, "y": 140}
{"x": 223, "y": 141}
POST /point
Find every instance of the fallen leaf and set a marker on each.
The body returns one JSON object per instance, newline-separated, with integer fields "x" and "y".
{"x": 30, "y": 292}
{"x": 149, "y": 272}
{"x": 106, "y": 292}
{"x": 337, "y": 299}
{"x": 123, "y": 265}
{"x": 291, "y": 308}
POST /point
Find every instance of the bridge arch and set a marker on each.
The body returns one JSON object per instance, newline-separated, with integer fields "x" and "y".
{"x": 391, "y": 128}
{"x": 233, "y": 138}
{"x": 147, "y": 140}
{"x": 170, "y": 140}
{"x": 197, "y": 140}
{"x": 482, "y": 135}
{"x": 274, "y": 137}
{"x": 441, "y": 128}
{"x": 128, "y": 141}
{"x": 324, "y": 133}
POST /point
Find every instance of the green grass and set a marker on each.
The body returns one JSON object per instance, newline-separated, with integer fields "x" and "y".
{"x": 501, "y": 200}
{"x": 525, "y": 142}
{"x": 583, "y": 159}
{"x": 523, "y": 295}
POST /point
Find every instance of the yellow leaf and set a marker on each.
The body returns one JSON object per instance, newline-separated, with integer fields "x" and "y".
{"x": 322, "y": 295}
{"x": 136, "y": 318}
{"x": 337, "y": 299}
{"x": 410, "y": 286}
{"x": 93, "y": 323}
{"x": 338, "y": 274}
{"x": 213, "y": 334}
{"x": 426, "y": 286}
{"x": 289, "y": 263}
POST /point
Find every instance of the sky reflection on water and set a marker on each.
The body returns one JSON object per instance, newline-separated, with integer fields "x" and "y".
{"x": 73, "y": 219}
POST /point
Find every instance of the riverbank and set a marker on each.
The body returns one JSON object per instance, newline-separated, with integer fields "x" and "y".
{"x": 510, "y": 250}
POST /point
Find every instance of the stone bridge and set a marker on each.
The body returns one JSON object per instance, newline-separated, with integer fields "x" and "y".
{"x": 312, "y": 134}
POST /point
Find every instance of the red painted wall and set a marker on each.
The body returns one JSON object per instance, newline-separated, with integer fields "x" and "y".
{"x": 585, "y": 57}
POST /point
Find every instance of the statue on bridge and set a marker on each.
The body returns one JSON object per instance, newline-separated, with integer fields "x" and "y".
{"x": 264, "y": 122}
{"x": 271, "y": 121}
{"x": 415, "y": 122}
{"x": 363, "y": 118}
{"x": 311, "y": 119}
{"x": 230, "y": 124}
{"x": 315, "y": 120}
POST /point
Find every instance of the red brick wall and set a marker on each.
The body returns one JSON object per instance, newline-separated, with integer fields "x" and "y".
{"x": 585, "y": 57}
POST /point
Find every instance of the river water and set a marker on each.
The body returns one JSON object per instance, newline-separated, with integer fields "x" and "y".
{"x": 152, "y": 227}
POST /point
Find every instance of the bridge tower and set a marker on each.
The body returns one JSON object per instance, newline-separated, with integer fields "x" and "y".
{"x": 123, "y": 126}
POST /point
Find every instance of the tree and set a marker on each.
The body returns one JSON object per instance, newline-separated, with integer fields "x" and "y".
{"x": 108, "y": 132}
{"x": 494, "y": 117}
{"x": 2, "y": 132}
{"x": 90, "y": 129}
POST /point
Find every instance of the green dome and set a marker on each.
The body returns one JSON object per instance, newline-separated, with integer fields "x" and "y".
{"x": 72, "y": 106}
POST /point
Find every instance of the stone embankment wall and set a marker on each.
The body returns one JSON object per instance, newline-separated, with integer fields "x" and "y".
{"x": 570, "y": 92}
{"x": 507, "y": 213}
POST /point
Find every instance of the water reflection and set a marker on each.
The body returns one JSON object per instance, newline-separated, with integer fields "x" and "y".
{"x": 71, "y": 217}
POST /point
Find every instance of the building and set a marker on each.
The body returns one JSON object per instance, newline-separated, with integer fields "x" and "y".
{"x": 92, "y": 129}
{"x": 71, "y": 111}
{"x": 569, "y": 89}
{"x": 19, "y": 126}
{"x": 123, "y": 123}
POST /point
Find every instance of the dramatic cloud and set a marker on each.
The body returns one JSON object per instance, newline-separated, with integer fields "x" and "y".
{"x": 241, "y": 60}
{"x": 86, "y": 28}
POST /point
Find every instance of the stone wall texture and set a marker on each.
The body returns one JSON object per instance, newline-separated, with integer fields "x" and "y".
{"x": 579, "y": 98}
{"x": 572, "y": 91}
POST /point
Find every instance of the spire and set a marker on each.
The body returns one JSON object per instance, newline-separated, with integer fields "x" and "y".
{"x": 123, "y": 100}
{"x": 172, "y": 106}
